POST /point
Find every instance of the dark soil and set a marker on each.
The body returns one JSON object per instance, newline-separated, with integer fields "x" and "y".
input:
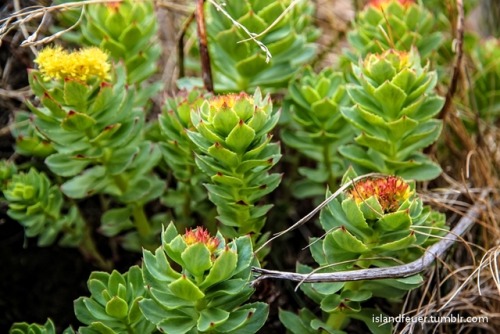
{"x": 37, "y": 283}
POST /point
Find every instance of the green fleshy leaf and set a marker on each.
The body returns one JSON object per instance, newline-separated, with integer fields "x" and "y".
{"x": 65, "y": 165}
{"x": 355, "y": 215}
{"x": 223, "y": 155}
{"x": 197, "y": 259}
{"x": 211, "y": 318}
{"x": 348, "y": 242}
{"x": 404, "y": 243}
{"x": 117, "y": 308}
{"x": 75, "y": 95}
{"x": 177, "y": 324}
{"x": 395, "y": 221}
{"x": 76, "y": 121}
{"x": 185, "y": 289}
{"x": 223, "y": 268}
{"x": 296, "y": 324}
{"x": 240, "y": 138}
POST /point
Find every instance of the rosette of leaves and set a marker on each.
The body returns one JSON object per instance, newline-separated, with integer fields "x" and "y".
{"x": 243, "y": 66}
{"x": 394, "y": 109}
{"x": 486, "y": 79}
{"x": 207, "y": 294}
{"x": 28, "y": 141}
{"x": 380, "y": 222}
{"x": 39, "y": 207}
{"x": 47, "y": 328}
{"x": 127, "y": 30}
{"x": 394, "y": 24}
{"x": 113, "y": 305}
{"x": 7, "y": 170}
{"x": 88, "y": 117}
{"x": 233, "y": 136}
{"x": 178, "y": 150}
{"x": 317, "y": 128}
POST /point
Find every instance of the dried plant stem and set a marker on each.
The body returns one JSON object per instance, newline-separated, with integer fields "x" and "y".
{"x": 311, "y": 214}
{"x": 458, "y": 63}
{"x": 180, "y": 44}
{"x": 401, "y": 271}
{"x": 206, "y": 69}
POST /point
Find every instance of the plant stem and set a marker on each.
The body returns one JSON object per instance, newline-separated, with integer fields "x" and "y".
{"x": 336, "y": 320}
{"x": 206, "y": 70}
{"x": 89, "y": 249}
{"x": 331, "y": 181}
{"x": 141, "y": 221}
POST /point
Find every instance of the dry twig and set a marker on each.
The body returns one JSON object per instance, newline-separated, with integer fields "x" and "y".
{"x": 401, "y": 271}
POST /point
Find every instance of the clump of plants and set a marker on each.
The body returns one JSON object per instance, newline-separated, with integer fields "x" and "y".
{"x": 378, "y": 222}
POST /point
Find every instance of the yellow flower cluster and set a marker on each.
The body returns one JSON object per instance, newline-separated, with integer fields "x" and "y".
{"x": 82, "y": 65}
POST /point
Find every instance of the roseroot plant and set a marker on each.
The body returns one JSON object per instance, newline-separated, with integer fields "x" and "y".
{"x": 243, "y": 66}
{"x": 188, "y": 195}
{"x": 318, "y": 128}
{"x": 394, "y": 110}
{"x": 233, "y": 134}
{"x": 39, "y": 207}
{"x": 87, "y": 114}
{"x": 485, "y": 81}
{"x": 113, "y": 305}
{"x": 206, "y": 293}
{"x": 127, "y": 30}
{"x": 28, "y": 141}
{"x": 379, "y": 222}
{"x": 7, "y": 170}
{"x": 47, "y": 328}
{"x": 394, "y": 24}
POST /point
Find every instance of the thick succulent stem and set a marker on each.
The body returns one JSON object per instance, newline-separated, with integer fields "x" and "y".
{"x": 89, "y": 249}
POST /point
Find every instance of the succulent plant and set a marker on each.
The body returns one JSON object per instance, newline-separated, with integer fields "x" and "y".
{"x": 38, "y": 206}
{"x": 394, "y": 24}
{"x": 47, "y": 328}
{"x": 188, "y": 194}
{"x": 7, "y": 170}
{"x": 486, "y": 79}
{"x": 87, "y": 115}
{"x": 127, "y": 30}
{"x": 28, "y": 141}
{"x": 242, "y": 66}
{"x": 113, "y": 305}
{"x": 379, "y": 222}
{"x": 318, "y": 128}
{"x": 207, "y": 294}
{"x": 394, "y": 106}
{"x": 233, "y": 136}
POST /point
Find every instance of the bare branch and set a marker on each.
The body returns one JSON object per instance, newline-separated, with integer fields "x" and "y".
{"x": 401, "y": 271}
{"x": 311, "y": 214}
{"x": 459, "y": 41}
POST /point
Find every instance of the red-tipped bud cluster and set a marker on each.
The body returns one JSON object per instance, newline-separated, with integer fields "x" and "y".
{"x": 201, "y": 235}
{"x": 390, "y": 192}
